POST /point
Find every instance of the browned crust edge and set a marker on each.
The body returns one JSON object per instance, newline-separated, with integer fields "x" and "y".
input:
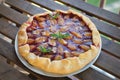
{"x": 64, "y": 66}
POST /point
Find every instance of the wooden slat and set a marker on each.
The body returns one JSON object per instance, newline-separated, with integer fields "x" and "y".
{"x": 95, "y": 11}
{"x": 91, "y": 74}
{"x": 25, "y": 6}
{"x": 54, "y": 78}
{"x": 109, "y": 63}
{"x": 113, "y": 50}
{"x": 111, "y": 47}
{"x": 7, "y": 72}
{"x": 12, "y": 15}
{"x": 107, "y": 29}
{"x": 7, "y": 29}
{"x": 49, "y": 4}
{"x": 11, "y": 56}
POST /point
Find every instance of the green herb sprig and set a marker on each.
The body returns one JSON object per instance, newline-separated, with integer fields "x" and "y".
{"x": 44, "y": 50}
{"x": 59, "y": 35}
{"x": 55, "y": 16}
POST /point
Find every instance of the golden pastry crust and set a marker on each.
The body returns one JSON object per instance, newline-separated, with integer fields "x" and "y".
{"x": 64, "y": 66}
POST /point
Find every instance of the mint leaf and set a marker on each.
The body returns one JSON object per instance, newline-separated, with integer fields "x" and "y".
{"x": 54, "y": 35}
{"x": 44, "y": 50}
{"x": 66, "y": 35}
{"x": 59, "y": 35}
{"x": 54, "y": 16}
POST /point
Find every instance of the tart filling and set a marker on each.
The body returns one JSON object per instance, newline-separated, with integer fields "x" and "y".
{"x": 58, "y": 36}
{"x": 61, "y": 40}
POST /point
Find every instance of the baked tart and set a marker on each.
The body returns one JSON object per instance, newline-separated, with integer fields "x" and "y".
{"x": 61, "y": 42}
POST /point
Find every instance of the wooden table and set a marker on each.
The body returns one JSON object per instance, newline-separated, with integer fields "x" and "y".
{"x": 17, "y": 11}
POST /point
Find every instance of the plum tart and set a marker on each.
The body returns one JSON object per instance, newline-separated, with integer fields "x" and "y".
{"x": 60, "y": 42}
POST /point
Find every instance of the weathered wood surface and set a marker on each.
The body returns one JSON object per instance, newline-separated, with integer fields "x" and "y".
{"x": 109, "y": 58}
{"x": 7, "y": 72}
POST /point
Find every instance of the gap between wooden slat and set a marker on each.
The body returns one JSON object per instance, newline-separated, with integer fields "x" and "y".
{"x": 7, "y": 29}
{"x": 25, "y": 6}
{"x": 12, "y": 15}
{"x": 49, "y": 4}
{"x": 112, "y": 63}
{"x": 103, "y": 72}
{"x": 7, "y": 72}
{"x": 5, "y": 38}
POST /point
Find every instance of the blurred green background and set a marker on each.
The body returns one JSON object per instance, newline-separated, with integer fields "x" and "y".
{"x": 111, "y": 5}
